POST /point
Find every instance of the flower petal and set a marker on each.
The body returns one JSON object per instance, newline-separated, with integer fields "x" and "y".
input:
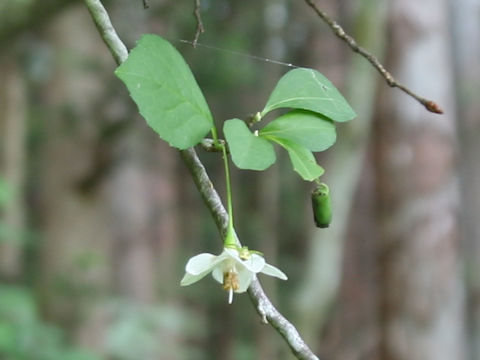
{"x": 245, "y": 277}
{"x": 217, "y": 274}
{"x": 231, "y": 253}
{"x": 226, "y": 254}
{"x": 200, "y": 263}
{"x": 189, "y": 279}
{"x": 273, "y": 271}
{"x": 255, "y": 264}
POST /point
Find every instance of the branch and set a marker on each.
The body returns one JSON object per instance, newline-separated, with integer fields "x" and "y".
{"x": 198, "y": 16}
{"x": 270, "y": 315}
{"x": 262, "y": 303}
{"x": 430, "y": 105}
{"x": 107, "y": 31}
{"x": 208, "y": 192}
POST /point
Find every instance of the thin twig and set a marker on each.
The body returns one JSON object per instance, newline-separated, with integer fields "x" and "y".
{"x": 391, "y": 81}
{"x": 105, "y": 28}
{"x": 198, "y": 16}
{"x": 260, "y": 300}
{"x": 205, "y": 187}
{"x": 145, "y": 4}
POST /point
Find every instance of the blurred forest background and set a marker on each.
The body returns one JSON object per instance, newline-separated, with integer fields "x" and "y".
{"x": 98, "y": 216}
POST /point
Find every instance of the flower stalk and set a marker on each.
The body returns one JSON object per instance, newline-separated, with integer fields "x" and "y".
{"x": 230, "y": 239}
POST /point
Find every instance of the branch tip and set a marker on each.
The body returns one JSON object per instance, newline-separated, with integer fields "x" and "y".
{"x": 350, "y": 41}
{"x": 433, "y": 107}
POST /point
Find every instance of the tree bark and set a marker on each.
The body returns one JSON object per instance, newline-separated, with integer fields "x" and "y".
{"x": 466, "y": 27}
{"x": 422, "y": 293}
{"x": 73, "y": 254}
{"x": 13, "y": 117}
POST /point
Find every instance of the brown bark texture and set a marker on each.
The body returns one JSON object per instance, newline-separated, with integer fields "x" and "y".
{"x": 466, "y": 35}
{"x": 422, "y": 302}
{"x": 13, "y": 118}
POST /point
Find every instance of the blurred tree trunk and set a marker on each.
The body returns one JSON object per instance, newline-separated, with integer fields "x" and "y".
{"x": 466, "y": 33}
{"x": 421, "y": 287}
{"x": 13, "y": 114}
{"x": 144, "y": 218}
{"x": 142, "y": 193}
{"x": 73, "y": 223}
{"x": 134, "y": 190}
{"x": 343, "y": 171}
{"x": 275, "y": 19}
{"x": 352, "y": 329}
{"x": 16, "y": 16}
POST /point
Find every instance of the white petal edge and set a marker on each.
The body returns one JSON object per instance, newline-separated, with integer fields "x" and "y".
{"x": 273, "y": 271}
{"x": 189, "y": 279}
{"x": 200, "y": 263}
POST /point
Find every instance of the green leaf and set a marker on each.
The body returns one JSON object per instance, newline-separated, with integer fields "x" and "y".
{"x": 248, "y": 151}
{"x": 309, "y": 90}
{"x": 302, "y": 159}
{"x": 166, "y": 93}
{"x": 306, "y": 128}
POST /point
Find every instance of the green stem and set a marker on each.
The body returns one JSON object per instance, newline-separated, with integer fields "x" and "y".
{"x": 229, "y": 238}
{"x": 214, "y": 134}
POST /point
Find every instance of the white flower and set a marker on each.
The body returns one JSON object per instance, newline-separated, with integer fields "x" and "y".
{"x": 234, "y": 268}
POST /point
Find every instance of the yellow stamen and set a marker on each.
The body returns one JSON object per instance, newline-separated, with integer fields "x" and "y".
{"x": 230, "y": 280}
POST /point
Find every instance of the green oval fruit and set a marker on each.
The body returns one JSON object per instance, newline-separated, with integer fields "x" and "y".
{"x": 321, "y": 205}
